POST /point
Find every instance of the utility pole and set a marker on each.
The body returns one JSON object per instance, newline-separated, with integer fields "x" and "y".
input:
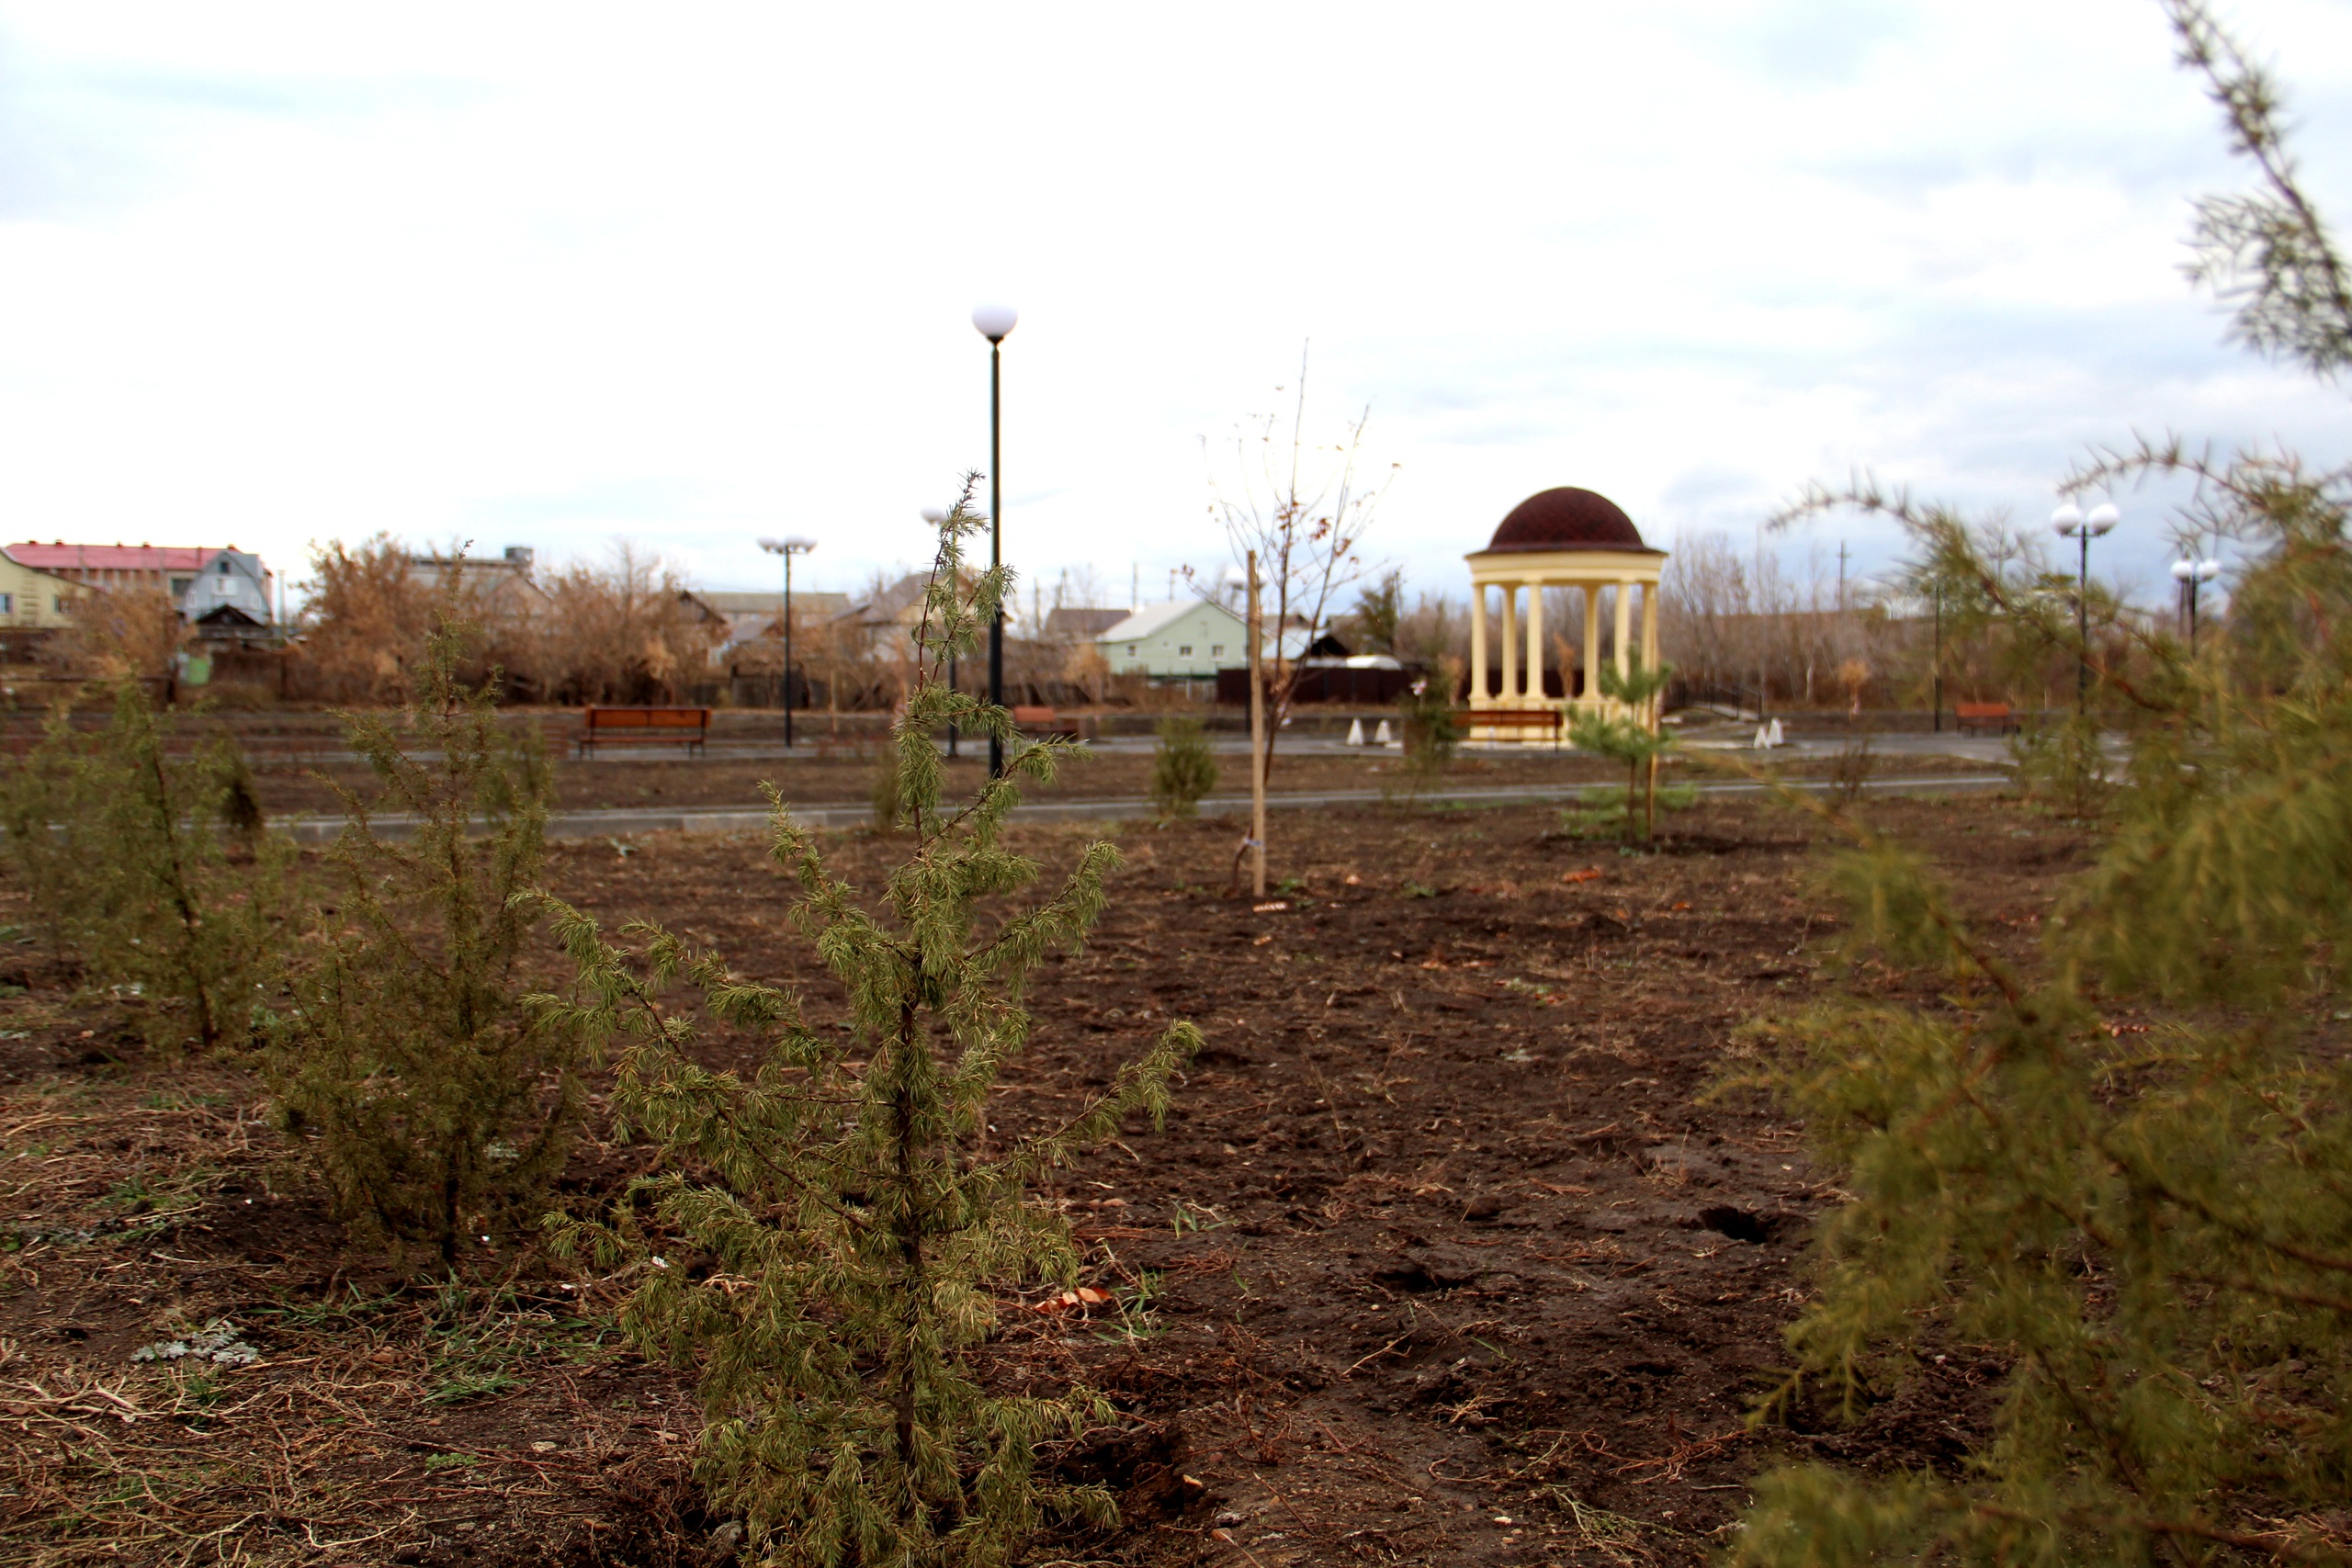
{"x": 1938, "y": 682}
{"x": 1257, "y": 845}
{"x": 1841, "y": 577}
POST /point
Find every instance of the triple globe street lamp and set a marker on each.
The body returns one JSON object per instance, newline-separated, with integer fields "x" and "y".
{"x": 2072, "y": 522}
{"x": 788, "y": 547}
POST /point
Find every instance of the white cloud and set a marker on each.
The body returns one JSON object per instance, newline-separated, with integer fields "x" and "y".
{"x": 553, "y": 275}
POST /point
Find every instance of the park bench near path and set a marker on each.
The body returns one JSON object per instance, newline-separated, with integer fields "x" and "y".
{"x": 643, "y": 727}
{"x": 1542, "y": 721}
{"x": 1043, "y": 724}
{"x": 1999, "y": 717}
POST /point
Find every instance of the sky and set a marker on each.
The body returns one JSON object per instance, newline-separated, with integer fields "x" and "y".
{"x": 561, "y": 276}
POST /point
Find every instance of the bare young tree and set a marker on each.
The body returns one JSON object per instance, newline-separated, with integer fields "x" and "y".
{"x": 1303, "y": 508}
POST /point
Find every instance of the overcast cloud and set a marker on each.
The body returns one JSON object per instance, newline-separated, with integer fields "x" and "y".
{"x": 558, "y": 275}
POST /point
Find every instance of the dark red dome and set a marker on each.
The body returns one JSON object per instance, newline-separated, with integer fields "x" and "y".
{"x": 1567, "y": 519}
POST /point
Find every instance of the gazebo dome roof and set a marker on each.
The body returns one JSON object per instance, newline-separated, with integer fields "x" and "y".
{"x": 1566, "y": 519}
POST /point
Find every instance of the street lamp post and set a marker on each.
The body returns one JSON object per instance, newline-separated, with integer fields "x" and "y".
{"x": 993, "y": 322}
{"x": 934, "y": 516}
{"x": 787, "y": 548}
{"x": 2189, "y": 571}
{"x": 2071, "y": 522}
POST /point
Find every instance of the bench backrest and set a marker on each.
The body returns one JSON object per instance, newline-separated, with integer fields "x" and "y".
{"x": 649, "y": 718}
{"x": 1982, "y": 710}
{"x": 1032, "y": 716}
{"x": 1509, "y": 718}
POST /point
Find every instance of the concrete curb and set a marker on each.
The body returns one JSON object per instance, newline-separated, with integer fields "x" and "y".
{"x": 320, "y": 830}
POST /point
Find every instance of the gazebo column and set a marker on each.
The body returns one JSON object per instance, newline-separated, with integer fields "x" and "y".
{"x": 1625, "y": 638}
{"x": 1592, "y": 642}
{"x": 1477, "y": 645}
{"x": 1509, "y": 640}
{"x": 1649, "y": 644}
{"x": 1535, "y": 642}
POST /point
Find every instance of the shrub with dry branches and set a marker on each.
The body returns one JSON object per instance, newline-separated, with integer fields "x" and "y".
{"x": 133, "y": 632}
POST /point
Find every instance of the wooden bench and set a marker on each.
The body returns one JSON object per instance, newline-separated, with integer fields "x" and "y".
{"x": 1043, "y": 723}
{"x": 644, "y": 727}
{"x": 1542, "y": 721}
{"x": 1999, "y": 717}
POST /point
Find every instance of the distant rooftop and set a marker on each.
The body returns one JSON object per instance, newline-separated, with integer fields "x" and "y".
{"x": 1075, "y": 621}
{"x": 60, "y": 555}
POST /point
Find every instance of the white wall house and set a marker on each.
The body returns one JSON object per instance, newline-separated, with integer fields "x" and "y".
{"x": 229, "y": 595}
{"x": 1185, "y": 640}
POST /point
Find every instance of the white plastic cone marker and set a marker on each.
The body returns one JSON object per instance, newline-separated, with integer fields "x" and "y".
{"x": 1355, "y": 733}
{"x": 1763, "y": 736}
{"x": 1380, "y": 737}
{"x": 1778, "y": 738}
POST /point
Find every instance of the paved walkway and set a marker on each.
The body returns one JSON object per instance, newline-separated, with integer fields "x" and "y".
{"x": 314, "y": 830}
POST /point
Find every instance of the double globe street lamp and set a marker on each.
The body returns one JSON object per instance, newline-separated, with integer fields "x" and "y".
{"x": 787, "y": 548}
{"x": 2189, "y": 572}
{"x": 995, "y": 322}
{"x": 2072, "y": 522}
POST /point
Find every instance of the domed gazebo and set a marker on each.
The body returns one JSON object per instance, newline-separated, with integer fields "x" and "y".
{"x": 1558, "y": 539}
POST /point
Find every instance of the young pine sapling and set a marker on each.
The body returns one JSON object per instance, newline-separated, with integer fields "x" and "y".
{"x": 2121, "y": 1165}
{"x": 1627, "y": 731}
{"x": 1183, "y": 768}
{"x": 126, "y": 850}
{"x": 858, "y": 1219}
{"x": 431, "y": 1104}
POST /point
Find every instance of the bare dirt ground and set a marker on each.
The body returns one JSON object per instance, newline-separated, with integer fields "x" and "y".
{"x": 1447, "y": 1254}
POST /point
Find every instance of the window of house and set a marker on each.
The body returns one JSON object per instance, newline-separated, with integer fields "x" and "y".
{"x": 8, "y": 604}
{"x": 1185, "y": 651}
{"x": 179, "y": 585}
{"x": 1216, "y": 651}
{"x": 1131, "y": 650}
{"x": 59, "y": 602}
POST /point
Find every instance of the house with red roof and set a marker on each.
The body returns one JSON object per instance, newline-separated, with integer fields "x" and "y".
{"x": 221, "y": 591}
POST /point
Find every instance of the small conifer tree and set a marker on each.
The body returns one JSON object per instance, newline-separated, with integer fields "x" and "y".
{"x": 2123, "y": 1165}
{"x": 1626, "y": 736}
{"x": 1183, "y": 768}
{"x": 123, "y": 847}
{"x": 1425, "y": 723}
{"x": 859, "y": 1218}
{"x": 43, "y": 801}
{"x": 432, "y": 1106}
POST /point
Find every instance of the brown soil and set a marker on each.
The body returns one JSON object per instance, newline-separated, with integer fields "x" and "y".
{"x": 1450, "y": 1256}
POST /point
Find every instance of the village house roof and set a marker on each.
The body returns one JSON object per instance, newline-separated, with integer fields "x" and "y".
{"x": 58, "y": 555}
{"x": 1148, "y": 619}
{"x": 1074, "y": 621}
